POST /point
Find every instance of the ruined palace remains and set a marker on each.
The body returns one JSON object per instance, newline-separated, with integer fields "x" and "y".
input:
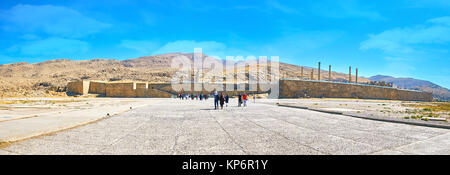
{"x": 287, "y": 89}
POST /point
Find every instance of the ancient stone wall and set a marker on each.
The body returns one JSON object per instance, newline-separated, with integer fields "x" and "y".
{"x": 78, "y": 87}
{"x": 208, "y": 88}
{"x": 157, "y": 94}
{"x": 121, "y": 89}
{"x": 288, "y": 89}
{"x": 97, "y": 87}
{"x": 319, "y": 89}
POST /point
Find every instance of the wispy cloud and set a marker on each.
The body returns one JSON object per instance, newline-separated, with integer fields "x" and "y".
{"x": 408, "y": 39}
{"x": 288, "y": 45}
{"x": 48, "y": 31}
{"x": 266, "y": 6}
{"x": 272, "y": 4}
{"x": 54, "y": 47}
{"x": 143, "y": 47}
{"x": 345, "y": 9}
{"x": 53, "y": 20}
{"x": 212, "y": 48}
{"x": 427, "y": 3}
{"x": 441, "y": 20}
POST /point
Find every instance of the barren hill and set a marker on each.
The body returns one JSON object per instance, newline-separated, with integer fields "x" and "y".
{"x": 50, "y": 78}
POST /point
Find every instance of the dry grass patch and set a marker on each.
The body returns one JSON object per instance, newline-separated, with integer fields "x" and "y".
{"x": 428, "y": 109}
{"x": 432, "y": 107}
{"x": 7, "y": 102}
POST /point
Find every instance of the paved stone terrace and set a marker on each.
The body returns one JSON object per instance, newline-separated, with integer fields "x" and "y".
{"x": 172, "y": 126}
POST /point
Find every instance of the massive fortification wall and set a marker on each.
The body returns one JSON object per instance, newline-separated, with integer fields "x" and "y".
{"x": 121, "y": 89}
{"x": 208, "y": 88}
{"x": 78, "y": 87}
{"x": 319, "y": 89}
{"x": 97, "y": 87}
{"x": 288, "y": 89}
{"x": 133, "y": 89}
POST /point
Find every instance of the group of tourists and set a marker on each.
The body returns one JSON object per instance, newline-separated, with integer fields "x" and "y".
{"x": 193, "y": 96}
{"x": 220, "y": 100}
{"x": 224, "y": 99}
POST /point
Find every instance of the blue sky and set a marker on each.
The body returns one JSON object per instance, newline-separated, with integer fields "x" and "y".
{"x": 403, "y": 38}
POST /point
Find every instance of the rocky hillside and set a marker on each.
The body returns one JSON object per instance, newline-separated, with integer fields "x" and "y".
{"x": 50, "y": 78}
{"x": 411, "y": 83}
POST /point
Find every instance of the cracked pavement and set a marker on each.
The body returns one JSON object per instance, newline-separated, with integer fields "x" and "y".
{"x": 173, "y": 126}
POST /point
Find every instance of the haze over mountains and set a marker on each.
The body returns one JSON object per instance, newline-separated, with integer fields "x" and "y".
{"x": 50, "y": 78}
{"x": 411, "y": 83}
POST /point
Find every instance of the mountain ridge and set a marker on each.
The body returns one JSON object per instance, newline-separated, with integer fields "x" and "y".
{"x": 439, "y": 92}
{"x": 49, "y": 78}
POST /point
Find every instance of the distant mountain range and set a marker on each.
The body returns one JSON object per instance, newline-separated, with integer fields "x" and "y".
{"x": 50, "y": 78}
{"x": 411, "y": 83}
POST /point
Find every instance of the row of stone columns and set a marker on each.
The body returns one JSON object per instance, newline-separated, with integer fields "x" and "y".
{"x": 329, "y": 74}
{"x": 350, "y": 75}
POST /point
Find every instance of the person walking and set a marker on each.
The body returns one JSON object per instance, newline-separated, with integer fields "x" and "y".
{"x": 244, "y": 98}
{"x": 216, "y": 100}
{"x": 254, "y": 98}
{"x": 239, "y": 100}
{"x": 222, "y": 100}
{"x": 226, "y": 99}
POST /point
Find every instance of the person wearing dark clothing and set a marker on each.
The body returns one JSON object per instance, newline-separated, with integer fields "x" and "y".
{"x": 216, "y": 100}
{"x": 222, "y": 100}
{"x": 226, "y": 99}
{"x": 239, "y": 100}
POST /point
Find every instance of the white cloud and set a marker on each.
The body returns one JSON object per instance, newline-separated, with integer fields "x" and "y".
{"x": 345, "y": 9}
{"x": 442, "y": 20}
{"x": 427, "y": 3}
{"x": 143, "y": 47}
{"x": 407, "y": 39}
{"x": 292, "y": 45}
{"x": 55, "y": 47}
{"x": 54, "y": 20}
{"x": 211, "y": 48}
{"x": 6, "y": 59}
{"x": 400, "y": 59}
{"x": 400, "y": 68}
{"x": 289, "y": 45}
{"x": 280, "y": 7}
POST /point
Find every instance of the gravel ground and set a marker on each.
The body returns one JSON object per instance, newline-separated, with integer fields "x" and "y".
{"x": 385, "y": 108}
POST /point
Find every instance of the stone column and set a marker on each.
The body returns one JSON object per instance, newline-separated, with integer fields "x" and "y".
{"x": 318, "y": 73}
{"x": 329, "y": 73}
{"x": 301, "y": 73}
{"x": 312, "y": 74}
{"x": 350, "y": 74}
{"x": 356, "y": 80}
